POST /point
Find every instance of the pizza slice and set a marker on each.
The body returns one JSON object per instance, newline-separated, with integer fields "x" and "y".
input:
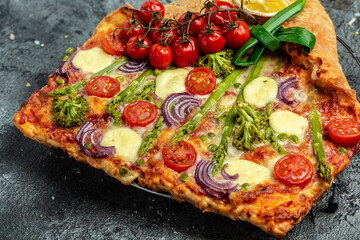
{"x": 251, "y": 121}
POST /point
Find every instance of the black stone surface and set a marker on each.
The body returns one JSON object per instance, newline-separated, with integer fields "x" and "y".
{"x": 44, "y": 194}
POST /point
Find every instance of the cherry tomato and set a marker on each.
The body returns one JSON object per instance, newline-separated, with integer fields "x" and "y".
{"x": 138, "y": 52}
{"x": 238, "y": 36}
{"x": 103, "y": 86}
{"x": 294, "y": 170}
{"x": 160, "y": 56}
{"x": 153, "y": 6}
{"x": 129, "y": 33}
{"x": 219, "y": 18}
{"x": 179, "y": 157}
{"x": 195, "y": 27}
{"x": 344, "y": 131}
{"x": 200, "y": 81}
{"x": 140, "y": 113}
{"x": 114, "y": 46}
{"x": 211, "y": 42}
{"x": 158, "y": 35}
{"x": 185, "y": 54}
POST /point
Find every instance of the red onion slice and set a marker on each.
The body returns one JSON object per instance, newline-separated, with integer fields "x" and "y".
{"x": 284, "y": 88}
{"x": 135, "y": 66}
{"x": 69, "y": 61}
{"x": 203, "y": 176}
{"x": 226, "y": 176}
{"x": 88, "y": 132}
{"x": 176, "y": 107}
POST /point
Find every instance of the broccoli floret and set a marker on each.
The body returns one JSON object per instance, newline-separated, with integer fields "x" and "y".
{"x": 70, "y": 112}
{"x": 251, "y": 121}
{"x": 220, "y": 62}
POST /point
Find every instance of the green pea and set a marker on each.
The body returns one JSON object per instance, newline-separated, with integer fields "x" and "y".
{"x": 87, "y": 145}
{"x": 282, "y": 137}
{"x": 342, "y": 150}
{"x": 237, "y": 85}
{"x": 203, "y": 138}
{"x": 60, "y": 82}
{"x": 69, "y": 51}
{"x": 65, "y": 58}
{"x": 294, "y": 139}
{"x": 244, "y": 187}
{"x": 171, "y": 68}
{"x": 212, "y": 148}
{"x": 140, "y": 162}
{"x": 184, "y": 177}
{"x": 211, "y": 135}
{"x": 157, "y": 72}
{"x": 159, "y": 104}
{"x": 124, "y": 171}
{"x": 120, "y": 78}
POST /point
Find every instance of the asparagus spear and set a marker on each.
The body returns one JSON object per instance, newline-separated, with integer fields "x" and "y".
{"x": 214, "y": 98}
{"x": 151, "y": 136}
{"x": 322, "y": 167}
{"x": 141, "y": 94}
{"x": 68, "y": 89}
{"x": 112, "y": 106}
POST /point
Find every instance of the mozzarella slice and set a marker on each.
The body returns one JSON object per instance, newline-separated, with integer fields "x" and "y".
{"x": 284, "y": 121}
{"x": 92, "y": 60}
{"x": 125, "y": 140}
{"x": 261, "y": 91}
{"x": 171, "y": 81}
{"x": 249, "y": 172}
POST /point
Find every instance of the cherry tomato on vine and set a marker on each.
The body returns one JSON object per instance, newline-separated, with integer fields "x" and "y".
{"x": 293, "y": 170}
{"x": 211, "y": 41}
{"x": 219, "y": 18}
{"x": 135, "y": 50}
{"x": 160, "y": 56}
{"x": 129, "y": 33}
{"x": 158, "y": 35}
{"x": 103, "y": 86}
{"x": 238, "y": 36}
{"x": 195, "y": 27}
{"x": 200, "y": 81}
{"x": 153, "y": 6}
{"x": 179, "y": 157}
{"x": 140, "y": 113}
{"x": 185, "y": 53}
{"x": 114, "y": 46}
{"x": 344, "y": 131}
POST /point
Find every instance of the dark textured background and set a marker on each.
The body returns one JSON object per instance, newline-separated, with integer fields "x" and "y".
{"x": 44, "y": 194}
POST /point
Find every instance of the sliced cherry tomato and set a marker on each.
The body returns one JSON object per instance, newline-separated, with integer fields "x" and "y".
{"x": 179, "y": 157}
{"x": 238, "y": 36}
{"x": 140, "y": 113}
{"x": 134, "y": 30}
{"x": 138, "y": 52}
{"x": 200, "y": 81}
{"x": 211, "y": 41}
{"x": 160, "y": 56}
{"x": 294, "y": 170}
{"x": 195, "y": 27}
{"x": 185, "y": 54}
{"x": 167, "y": 36}
{"x": 103, "y": 86}
{"x": 114, "y": 46}
{"x": 153, "y": 6}
{"x": 219, "y": 18}
{"x": 344, "y": 131}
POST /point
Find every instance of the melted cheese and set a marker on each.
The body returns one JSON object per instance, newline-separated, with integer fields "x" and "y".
{"x": 92, "y": 60}
{"x": 261, "y": 91}
{"x": 125, "y": 140}
{"x": 171, "y": 81}
{"x": 249, "y": 172}
{"x": 288, "y": 122}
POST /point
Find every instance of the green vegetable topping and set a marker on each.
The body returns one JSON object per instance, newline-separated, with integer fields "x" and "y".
{"x": 71, "y": 112}
{"x": 237, "y": 85}
{"x": 87, "y": 145}
{"x": 159, "y": 104}
{"x": 342, "y": 150}
{"x": 120, "y": 78}
{"x": 244, "y": 187}
{"x": 142, "y": 93}
{"x": 211, "y": 135}
{"x": 151, "y": 136}
{"x": 203, "y": 138}
{"x": 60, "y": 82}
{"x": 65, "y": 58}
{"x": 123, "y": 171}
{"x": 282, "y": 137}
{"x": 184, "y": 177}
{"x": 294, "y": 139}
{"x": 157, "y": 72}
{"x": 140, "y": 162}
{"x": 212, "y": 148}
{"x": 219, "y": 63}
{"x": 69, "y": 51}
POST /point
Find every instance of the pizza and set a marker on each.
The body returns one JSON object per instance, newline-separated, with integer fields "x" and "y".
{"x": 200, "y": 100}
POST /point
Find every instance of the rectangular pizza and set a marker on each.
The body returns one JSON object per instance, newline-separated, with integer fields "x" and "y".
{"x": 240, "y": 108}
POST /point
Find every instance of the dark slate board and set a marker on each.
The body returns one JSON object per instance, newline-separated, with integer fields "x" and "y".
{"x": 44, "y": 194}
